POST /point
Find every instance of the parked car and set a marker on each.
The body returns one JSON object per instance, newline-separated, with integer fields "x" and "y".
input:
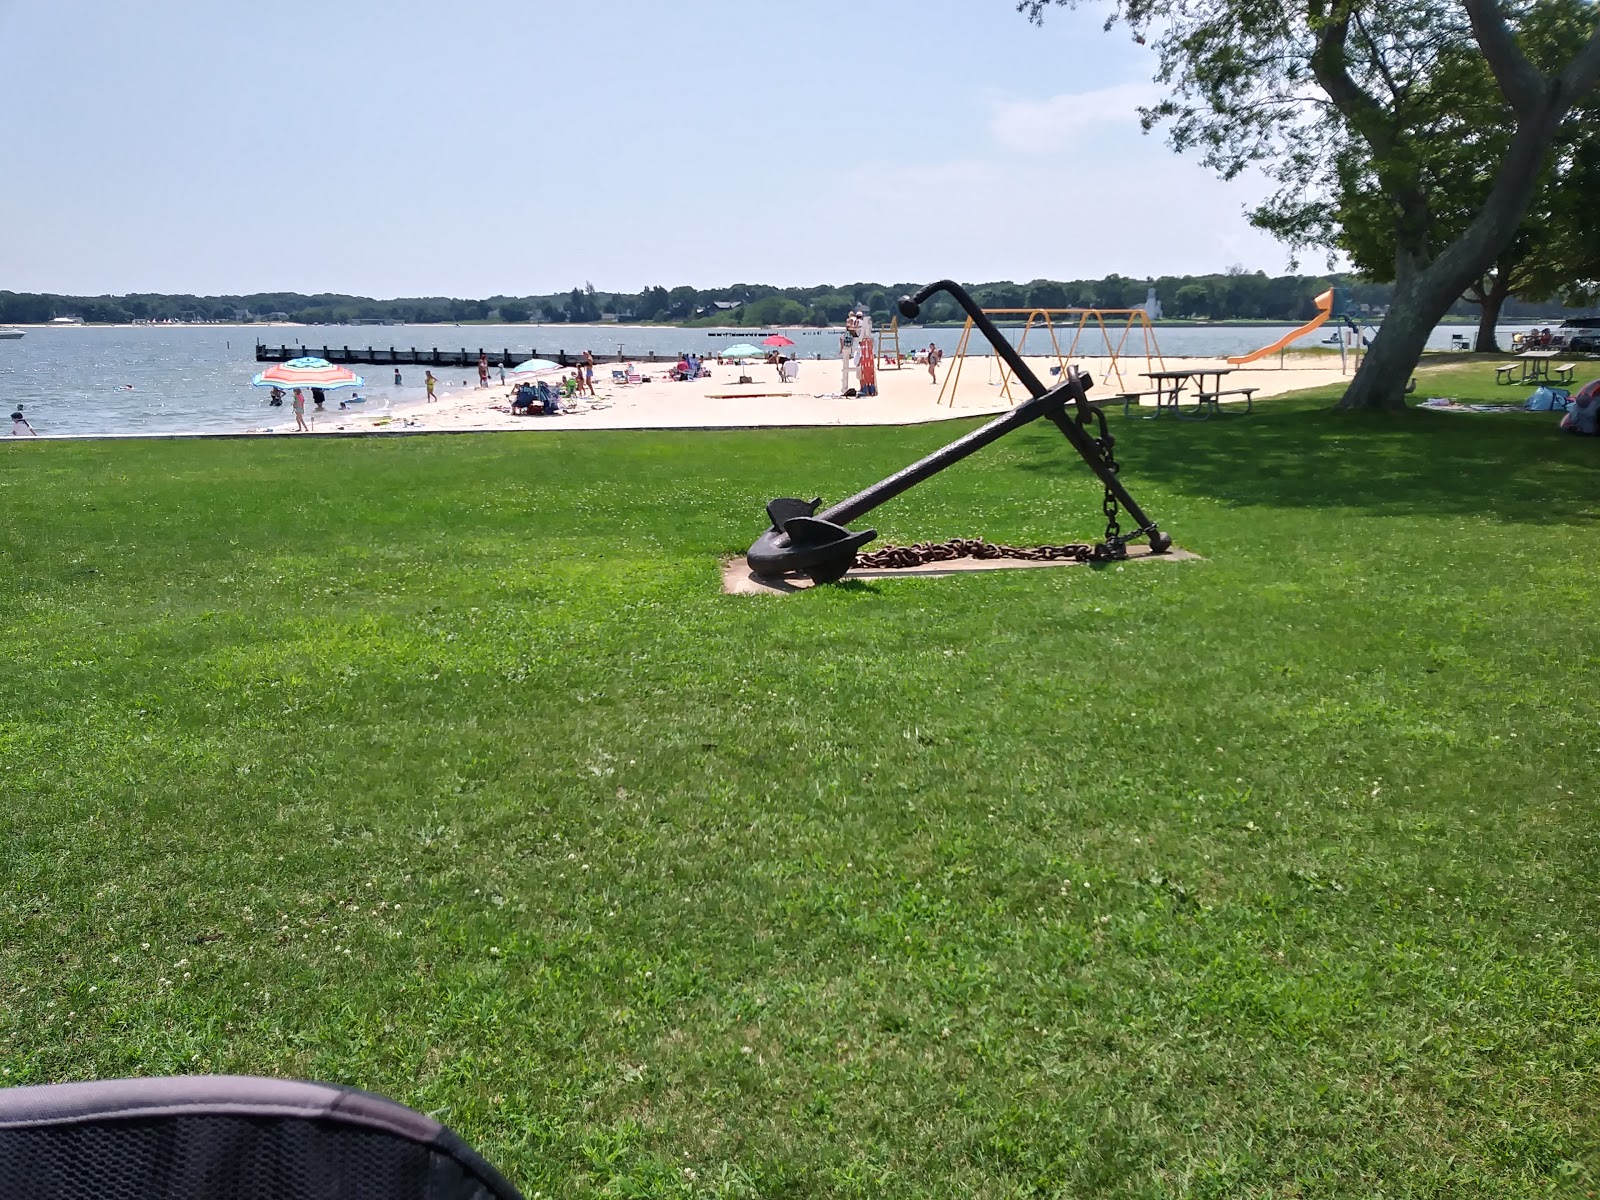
{"x": 1581, "y": 334}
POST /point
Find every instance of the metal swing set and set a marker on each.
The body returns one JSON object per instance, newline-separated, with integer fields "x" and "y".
{"x": 1056, "y": 322}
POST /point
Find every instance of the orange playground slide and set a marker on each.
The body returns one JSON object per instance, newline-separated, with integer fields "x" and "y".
{"x": 1324, "y": 309}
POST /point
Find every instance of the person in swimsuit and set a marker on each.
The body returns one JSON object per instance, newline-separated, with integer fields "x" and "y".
{"x": 483, "y": 369}
{"x": 300, "y": 412}
{"x": 397, "y": 377}
{"x": 427, "y": 378}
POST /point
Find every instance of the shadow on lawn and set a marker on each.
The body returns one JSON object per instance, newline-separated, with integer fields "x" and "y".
{"x": 1512, "y": 466}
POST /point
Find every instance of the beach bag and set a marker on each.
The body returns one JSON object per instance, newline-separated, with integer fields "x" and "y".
{"x": 1547, "y": 399}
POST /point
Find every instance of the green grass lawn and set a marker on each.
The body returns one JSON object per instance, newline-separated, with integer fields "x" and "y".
{"x": 441, "y": 767}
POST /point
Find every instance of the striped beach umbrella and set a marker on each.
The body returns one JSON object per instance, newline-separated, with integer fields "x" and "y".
{"x": 308, "y": 373}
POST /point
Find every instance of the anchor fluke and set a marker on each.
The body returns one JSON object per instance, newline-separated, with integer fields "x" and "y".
{"x": 802, "y": 543}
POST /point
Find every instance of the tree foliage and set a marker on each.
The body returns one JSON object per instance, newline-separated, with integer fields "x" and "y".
{"x": 1343, "y": 105}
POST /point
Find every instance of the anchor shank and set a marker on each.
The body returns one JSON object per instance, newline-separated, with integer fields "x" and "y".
{"x": 1048, "y": 404}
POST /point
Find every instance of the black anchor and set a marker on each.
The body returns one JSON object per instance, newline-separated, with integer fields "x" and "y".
{"x": 807, "y": 542}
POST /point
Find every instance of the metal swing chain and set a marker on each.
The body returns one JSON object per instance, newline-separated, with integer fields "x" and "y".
{"x": 1113, "y": 549}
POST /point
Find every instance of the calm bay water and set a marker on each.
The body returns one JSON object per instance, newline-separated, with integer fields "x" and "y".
{"x": 175, "y": 379}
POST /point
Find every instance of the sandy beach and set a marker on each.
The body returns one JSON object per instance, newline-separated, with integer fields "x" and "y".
{"x": 905, "y": 396}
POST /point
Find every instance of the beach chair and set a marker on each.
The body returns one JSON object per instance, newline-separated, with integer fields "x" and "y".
{"x": 620, "y": 377}
{"x": 206, "y": 1137}
{"x": 791, "y": 371}
{"x": 635, "y": 377}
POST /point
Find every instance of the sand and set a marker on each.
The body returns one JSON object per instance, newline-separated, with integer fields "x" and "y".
{"x": 905, "y": 397}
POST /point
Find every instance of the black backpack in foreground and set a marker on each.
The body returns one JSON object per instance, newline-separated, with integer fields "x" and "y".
{"x": 229, "y": 1137}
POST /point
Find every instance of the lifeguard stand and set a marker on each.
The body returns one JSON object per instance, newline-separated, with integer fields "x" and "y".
{"x": 1080, "y": 321}
{"x": 889, "y": 356}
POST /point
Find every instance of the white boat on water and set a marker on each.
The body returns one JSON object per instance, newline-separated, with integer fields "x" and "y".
{"x": 10, "y": 335}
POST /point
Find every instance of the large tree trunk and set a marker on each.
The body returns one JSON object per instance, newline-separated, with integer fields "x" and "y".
{"x": 1424, "y": 293}
{"x": 1381, "y": 380}
{"x": 1489, "y": 313}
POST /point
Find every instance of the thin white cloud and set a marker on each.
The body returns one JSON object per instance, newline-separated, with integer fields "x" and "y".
{"x": 1179, "y": 219}
{"x": 1059, "y": 123}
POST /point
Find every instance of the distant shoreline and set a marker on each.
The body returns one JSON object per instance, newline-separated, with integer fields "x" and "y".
{"x": 751, "y": 330}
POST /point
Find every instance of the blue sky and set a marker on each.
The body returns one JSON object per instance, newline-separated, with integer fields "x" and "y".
{"x": 396, "y": 147}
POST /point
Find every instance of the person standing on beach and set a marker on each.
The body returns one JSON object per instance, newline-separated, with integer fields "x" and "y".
{"x": 483, "y": 369}
{"x": 300, "y": 425}
{"x": 20, "y": 426}
{"x": 933, "y": 363}
{"x": 588, "y": 370}
{"x": 427, "y": 378}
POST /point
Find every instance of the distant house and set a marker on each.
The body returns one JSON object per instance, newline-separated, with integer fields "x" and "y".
{"x": 717, "y": 307}
{"x": 1152, "y": 304}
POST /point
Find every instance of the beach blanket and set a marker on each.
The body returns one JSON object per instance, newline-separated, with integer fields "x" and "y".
{"x": 1446, "y": 405}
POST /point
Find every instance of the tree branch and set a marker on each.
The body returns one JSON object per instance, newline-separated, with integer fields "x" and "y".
{"x": 1582, "y": 73}
{"x": 1378, "y": 60}
{"x": 1522, "y": 82}
{"x": 1329, "y": 65}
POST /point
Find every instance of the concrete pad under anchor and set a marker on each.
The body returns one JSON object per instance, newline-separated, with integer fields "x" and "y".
{"x": 737, "y": 579}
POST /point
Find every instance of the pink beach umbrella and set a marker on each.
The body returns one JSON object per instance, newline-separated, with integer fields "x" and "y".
{"x": 776, "y": 339}
{"x": 309, "y": 373}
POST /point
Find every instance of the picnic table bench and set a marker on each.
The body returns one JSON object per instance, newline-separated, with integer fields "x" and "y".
{"x": 1536, "y": 367}
{"x": 1129, "y": 399}
{"x": 1170, "y": 385}
{"x": 1210, "y": 398}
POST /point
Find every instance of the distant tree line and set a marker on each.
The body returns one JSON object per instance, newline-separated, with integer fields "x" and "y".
{"x": 1233, "y": 295}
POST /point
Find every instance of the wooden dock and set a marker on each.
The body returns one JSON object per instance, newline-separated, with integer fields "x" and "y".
{"x": 393, "y": 356}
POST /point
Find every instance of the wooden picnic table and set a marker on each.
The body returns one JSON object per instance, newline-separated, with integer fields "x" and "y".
{"x": 1536, "y": 365}
{"x": 1169, "y": 385}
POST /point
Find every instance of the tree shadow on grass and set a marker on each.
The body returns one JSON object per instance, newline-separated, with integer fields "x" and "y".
{"x": 1513, "y": 466}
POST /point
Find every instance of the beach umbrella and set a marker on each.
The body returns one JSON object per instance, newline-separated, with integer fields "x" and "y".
{"x": 308, "y": 373}
{"x": 742, "y": 350}
{"x": 776, "y": 339}
{"x": 534, "y": 365}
